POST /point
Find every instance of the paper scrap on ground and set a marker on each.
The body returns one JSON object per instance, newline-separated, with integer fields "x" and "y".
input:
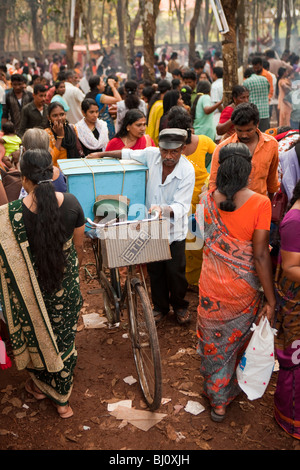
{"x": 164, "y": 401}
{"x": 130, "y": 380}
{"x": 194, "y": 407}
{"x": 143, "y": 420}
{"x": 124, "y": 403}
{"x": 93, "y": 320}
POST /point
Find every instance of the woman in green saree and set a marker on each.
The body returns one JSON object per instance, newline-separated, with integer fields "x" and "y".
{"x": 41, "y": 241}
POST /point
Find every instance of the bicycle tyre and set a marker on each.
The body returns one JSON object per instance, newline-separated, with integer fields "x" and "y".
{"x": 110, "y": 299}
{"x": 145, "y": 344}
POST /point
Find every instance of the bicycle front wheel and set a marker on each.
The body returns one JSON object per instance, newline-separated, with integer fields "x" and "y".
{"x": 145, "y": 344}
{"x": 110, "y": 296}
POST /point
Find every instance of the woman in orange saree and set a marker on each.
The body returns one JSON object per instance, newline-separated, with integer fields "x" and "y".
{"x": 236, "y": 264}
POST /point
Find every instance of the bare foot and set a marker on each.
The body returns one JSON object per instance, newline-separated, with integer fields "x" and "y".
{"x": 31, "y": 388}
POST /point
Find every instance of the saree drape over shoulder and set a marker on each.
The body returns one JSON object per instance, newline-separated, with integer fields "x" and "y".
{"x": 229, "y": 300}
{"x": 42, "y": 327}
{"x": 287, "y": 341}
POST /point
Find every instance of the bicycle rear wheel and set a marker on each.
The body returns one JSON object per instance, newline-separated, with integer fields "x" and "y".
{"x": 145, "y": 344}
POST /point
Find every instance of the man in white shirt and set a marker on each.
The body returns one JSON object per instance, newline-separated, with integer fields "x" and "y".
{"x": 216, "y": 94}
{"x": 74, "y": 97}
{"x": 164, "y": 74}
{"x": 169, "y": 191}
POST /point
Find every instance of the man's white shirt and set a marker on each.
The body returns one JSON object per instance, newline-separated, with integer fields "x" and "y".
{"x": 176, "y": 192}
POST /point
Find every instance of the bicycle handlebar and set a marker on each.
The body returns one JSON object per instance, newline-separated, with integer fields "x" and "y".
{"x": 111, "y": 223}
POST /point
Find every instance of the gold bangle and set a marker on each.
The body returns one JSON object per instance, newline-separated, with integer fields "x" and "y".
{"x": 60, "y": 136}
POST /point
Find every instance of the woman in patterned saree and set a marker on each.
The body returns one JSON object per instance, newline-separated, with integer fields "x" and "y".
{"x": 236, "y": 264}
{"x": 41, "y": 240}
{"x": 287, "y": 342}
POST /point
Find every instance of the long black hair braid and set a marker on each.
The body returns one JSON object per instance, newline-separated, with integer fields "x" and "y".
{"x": 49, "y": 234}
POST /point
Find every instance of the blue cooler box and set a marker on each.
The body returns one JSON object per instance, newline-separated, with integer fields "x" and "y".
{"x": 89, "y": 178}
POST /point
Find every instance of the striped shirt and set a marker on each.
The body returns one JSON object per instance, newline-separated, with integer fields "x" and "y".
{"x": 259, "y": 87}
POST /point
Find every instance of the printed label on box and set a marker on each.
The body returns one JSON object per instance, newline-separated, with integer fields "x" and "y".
{"x": 136, "y": 246}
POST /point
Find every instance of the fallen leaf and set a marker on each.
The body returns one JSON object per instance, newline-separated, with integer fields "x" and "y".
{"x": 203, "y": 445}
{"x": 186, "y": 386}
{"x": 7, "y": 410}
{"x": 171, "y": 433}
{"x": 4, "y": 432}
{"x": 246, "y": 429}
{"x": 16, "y": 402}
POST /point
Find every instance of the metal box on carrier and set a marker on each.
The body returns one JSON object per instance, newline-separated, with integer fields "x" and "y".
{"x": 89, "y": 178}
{"x": 136, "y": 242}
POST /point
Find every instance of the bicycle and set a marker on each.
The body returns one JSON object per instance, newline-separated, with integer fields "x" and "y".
{"x": 133, "y": 297}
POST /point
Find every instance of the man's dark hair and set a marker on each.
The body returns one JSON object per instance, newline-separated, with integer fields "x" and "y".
{"x": 161, "y": 63}
{"x": 270, "y": 54}
{"x": 248, "y": 72}
{"x": 39, "y": 88}
{"x": 189, "y": 74}
{"x": 245, "y": 113}
{"x": 16, "y": 77}
{"x": 257, "y": 61}
{"x": 199, "y": 64}
{"x": 177, "y": 72}
{"x": 218, "y": 71}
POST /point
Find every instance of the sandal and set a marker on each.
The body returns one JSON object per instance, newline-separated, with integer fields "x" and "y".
{"x": 216, "y": 417}
{"x": 64, "y": 411}
{"x": 183, "y": 316}
{"x": 33, "y": 390}
{"x": 158, "y": 316}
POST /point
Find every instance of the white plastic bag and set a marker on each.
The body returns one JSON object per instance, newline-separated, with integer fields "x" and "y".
{"x": 256, "y": 366}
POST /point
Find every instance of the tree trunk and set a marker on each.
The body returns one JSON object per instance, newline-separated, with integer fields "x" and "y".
{"x": 229, "y": 51}
{"x": 121, "y": 9}
{"x": 178, "y": 10}
{"x": 207, "y": 24}
{"x": 16, "y": 30}
{"x": 193, "y": 25}
{"x": 37, "y": 27}
{"x": 241, "y": 30}
{"x": 149, "y": 12}
{"x": 288, "y": 24}
{"x": 3, "y": 9}
{"x": 277, "y": 22}
{"x": 108, "y": 33}
{"x": 89, "y": 18}
{"x": 102, "y": 24}
{"x": 70, "y": 38}
{"x": 133, "y": 26}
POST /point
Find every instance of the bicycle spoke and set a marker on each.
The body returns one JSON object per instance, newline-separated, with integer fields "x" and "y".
{"x": 145, "y": 346}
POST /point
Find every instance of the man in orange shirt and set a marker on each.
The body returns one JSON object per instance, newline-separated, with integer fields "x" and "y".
{"x": 257, "y": 64}
{"x": 264, "y": 150}
{"x": 55, "y": 69}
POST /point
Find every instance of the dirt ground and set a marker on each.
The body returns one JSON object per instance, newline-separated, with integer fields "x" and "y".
{"x": 104, "y": 360}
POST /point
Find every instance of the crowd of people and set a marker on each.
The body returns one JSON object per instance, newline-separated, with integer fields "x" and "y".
{"x": 231, "y": 168}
